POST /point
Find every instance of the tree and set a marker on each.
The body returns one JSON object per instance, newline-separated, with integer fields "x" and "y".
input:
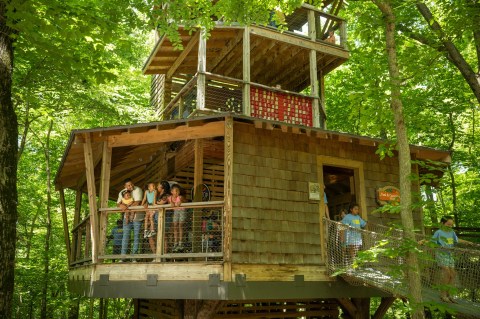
{"x": 404, "y": 160}
{"x": 8, "y": 164}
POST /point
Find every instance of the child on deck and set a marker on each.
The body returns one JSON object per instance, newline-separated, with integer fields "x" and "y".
{"x": 179, "y": 216}
{"x": 149, "y": 199}
{"x": 352, "y": 238}
{"x": 127, "y": 200}
{"x": 445, "y": 237}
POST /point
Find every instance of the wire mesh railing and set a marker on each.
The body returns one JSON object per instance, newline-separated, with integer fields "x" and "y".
{"x": 81, "y": 250}
{"x": 191, "y": 232}
{"x": 377, "y": 257}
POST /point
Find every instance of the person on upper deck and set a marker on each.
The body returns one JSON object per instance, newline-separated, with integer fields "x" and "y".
{"x": 331, "y": 37}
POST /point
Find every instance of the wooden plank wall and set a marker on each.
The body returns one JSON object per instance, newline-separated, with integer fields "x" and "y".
{"x": 310, "y": 308}
{"x": 158, "y": 308}
{"x": 273, "y": 220}
{"x": 183, "y": 168}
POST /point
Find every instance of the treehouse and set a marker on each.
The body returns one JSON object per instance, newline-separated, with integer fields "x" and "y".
{"x": 250, "y": 150}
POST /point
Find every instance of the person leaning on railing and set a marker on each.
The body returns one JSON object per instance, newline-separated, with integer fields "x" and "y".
{"x": 179, "y": 216}
{"x": 137, "y": 195}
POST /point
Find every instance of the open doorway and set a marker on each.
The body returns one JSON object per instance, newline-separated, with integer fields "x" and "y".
{"x": 340, "y": 189}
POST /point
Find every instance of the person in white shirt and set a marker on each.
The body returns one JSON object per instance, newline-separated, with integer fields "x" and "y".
{"x": 137, "y": 195}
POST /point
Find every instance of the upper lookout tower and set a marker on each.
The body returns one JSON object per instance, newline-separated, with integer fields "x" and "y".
{"x": 258, "y": 71}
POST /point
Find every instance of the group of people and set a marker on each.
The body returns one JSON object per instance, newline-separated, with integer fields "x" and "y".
{"x": 160, "y": 194}
{"x": 444, "y": 239}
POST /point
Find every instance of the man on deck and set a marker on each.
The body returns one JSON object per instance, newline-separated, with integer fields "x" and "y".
{"x": 137, "y": 195}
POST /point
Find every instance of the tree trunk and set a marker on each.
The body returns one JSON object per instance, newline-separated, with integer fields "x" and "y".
{"x": 43, "y": 312}
{"x": 404, "y": 161}
{"x": 8, "y": 168}
{"x": 450, "y": 170}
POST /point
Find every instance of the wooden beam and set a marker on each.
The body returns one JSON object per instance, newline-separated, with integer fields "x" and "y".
{"x": 348, "y": 306}
{"x": 225, "y": 51}
{"x": 92, "y": 198}
{"x": 198, "y": 170}
{"x": 180, "y": 133}
{"x": 66, "y": 233}
{"x": 299, "y": 41}
{"x": 228, "y": 180}
{"x": 186, "y": 51}
{"x": 158, "y": 45}
{"x": 201, "y": 69}
{"x": 76, "y": 220}
{"x": 104, "y": 194}
{"x": 105, "y": 175}
{"x": 246, "y": 71}
{"x": 382, "y": 309}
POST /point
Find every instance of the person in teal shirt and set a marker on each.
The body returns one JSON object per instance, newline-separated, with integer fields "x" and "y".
{"x": 351, "y": 237}
{"x": 445, "y": 238}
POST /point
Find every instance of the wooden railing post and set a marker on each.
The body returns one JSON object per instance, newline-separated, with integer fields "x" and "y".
{"x": 246, "y": 71}
{"x": 201, "y": 69}
{"x": 92, "y": 200}
{"x": 343, "y": 34}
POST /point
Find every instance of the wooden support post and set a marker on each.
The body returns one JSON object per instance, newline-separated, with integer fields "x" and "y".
{"x": 104, "y": 194}
{"x": 66, "y": 233}
{"x": 76, "y": 220}
{"x": 312, "y": 32}
{"x": 227, "y": 212}
{"x": 201, "y": 69}
{"x": 363, "y": 307}
{"x": 343, "y": 34}
{"x": 321, "y": 210}
{"x": 348, "y": 306}
{"x": 198, "y": 170}
{"x": 382, "y": 309}
{"x": 197, "y": 186}
{"x": 181, "y": 108}
{"x": 92, "y": 200}
{"x": 160, "y": 234}
{"x": 246, "y": 71}
{"x": 321, "y": 101}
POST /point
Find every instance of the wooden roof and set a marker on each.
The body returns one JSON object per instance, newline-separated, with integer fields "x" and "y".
{"x": 274, "y": 56}
{"x": 136, "y": 146}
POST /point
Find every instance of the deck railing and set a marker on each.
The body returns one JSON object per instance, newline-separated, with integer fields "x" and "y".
{"x": 323, "y": 23}
{"x": 225, "y": 94}
{"x": 82, "y": 243}
{"x": 202, "y": 234}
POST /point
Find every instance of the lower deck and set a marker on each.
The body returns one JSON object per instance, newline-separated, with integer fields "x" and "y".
{"x": 208, "y": 281}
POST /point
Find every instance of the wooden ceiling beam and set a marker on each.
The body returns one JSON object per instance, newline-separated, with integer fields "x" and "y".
{"x": 180, "y": 133}
{"x": 211, "y": 67}
{"x": 297, "y": 56}
{"x": 186, "y": 51}
{"x": 299, "y": 67}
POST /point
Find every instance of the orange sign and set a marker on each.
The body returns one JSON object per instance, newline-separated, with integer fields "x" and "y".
{"x": 388, "y": 195}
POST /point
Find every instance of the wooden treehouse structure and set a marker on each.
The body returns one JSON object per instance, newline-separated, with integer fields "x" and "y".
{"x": 237, "y": 126}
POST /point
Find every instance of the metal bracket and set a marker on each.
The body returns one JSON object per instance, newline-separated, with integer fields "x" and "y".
{"x": 214, "y": 280}
{"x": 240, "y": 280}
{"x": 152, "y": 279}
{"x": 299, "y": 280}
{"x": 104, "y": 279}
